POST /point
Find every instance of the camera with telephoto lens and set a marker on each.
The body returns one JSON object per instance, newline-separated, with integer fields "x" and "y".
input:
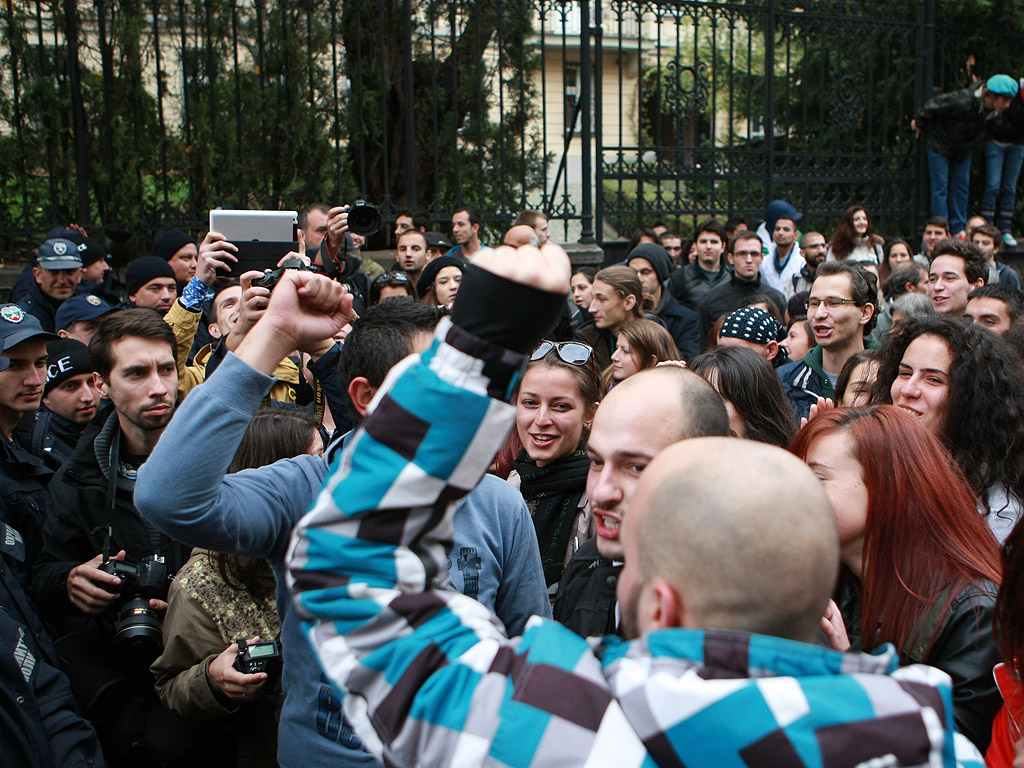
{"x": 363, "y": 218}
{"x": 272, "y": 276}
{"x": 138, "y": 633}
{"x": 253, "y": 658}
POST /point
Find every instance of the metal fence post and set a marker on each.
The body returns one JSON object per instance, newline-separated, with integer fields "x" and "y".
{"x": 78, "y": 115}
{"x": 586, "y": 99}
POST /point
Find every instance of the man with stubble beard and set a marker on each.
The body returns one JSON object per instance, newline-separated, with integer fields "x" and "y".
{"x": 635, "y": 421}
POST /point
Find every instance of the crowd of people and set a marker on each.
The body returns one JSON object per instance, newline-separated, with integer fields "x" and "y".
{"x": 747, "y": 497}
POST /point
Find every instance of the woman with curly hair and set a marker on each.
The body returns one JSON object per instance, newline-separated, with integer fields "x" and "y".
{"x": 854, "y": 238}
{"x": 758, "y": 408}
{"x": 641, "y": 344}
{"x": 966, "y": 385}
{"x": 920, "y": 569}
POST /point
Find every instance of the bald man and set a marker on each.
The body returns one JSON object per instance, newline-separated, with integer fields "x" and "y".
{"x": 430, "y": 679}
{"x": 638, "y": 418}
{"x": 520, "y": 235}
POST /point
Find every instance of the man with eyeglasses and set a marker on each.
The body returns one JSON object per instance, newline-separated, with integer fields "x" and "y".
{"x": 813, "y": 247}
{"x": 841, "y": 312}
{"x": 745, "y": 255}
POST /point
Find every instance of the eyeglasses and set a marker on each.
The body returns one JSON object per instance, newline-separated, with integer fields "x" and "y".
{"x": 399, "y": 277}
{"x": 832, "y": 302}
{"x": 571, "y": 352}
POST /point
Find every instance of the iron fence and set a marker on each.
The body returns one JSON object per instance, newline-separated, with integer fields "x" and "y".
{"x": 605, "y": 114}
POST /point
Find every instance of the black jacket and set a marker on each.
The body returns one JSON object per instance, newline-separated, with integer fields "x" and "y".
{"x": 682, "y": 323}
{"x": 75, "y": 529}
{"x": 23, "y": 480}
{"x": 41, "y": 307}
{"x": 39, "y": 721}
{"x": 961, "y": 646}
{"x": 728, "y": 296}
{"x": 690, "y": 284}
{"x": 585, "y": 601}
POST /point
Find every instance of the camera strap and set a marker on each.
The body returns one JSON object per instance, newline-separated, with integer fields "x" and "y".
{"x": 112, "y": 459}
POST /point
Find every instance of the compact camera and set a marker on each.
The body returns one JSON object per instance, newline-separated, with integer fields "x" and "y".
{"x": 258, "y": 657}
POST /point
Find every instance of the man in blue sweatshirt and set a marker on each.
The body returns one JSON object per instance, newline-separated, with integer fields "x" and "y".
{"x": 495, "y": 556}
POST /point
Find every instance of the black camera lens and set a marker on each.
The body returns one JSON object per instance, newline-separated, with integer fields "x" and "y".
{"x": 363, "y": 218}
{"x": 138, "y": 636}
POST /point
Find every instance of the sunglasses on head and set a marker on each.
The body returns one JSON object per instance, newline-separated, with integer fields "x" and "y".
{"x": 400, "y": 277}
{"x": 572, "y": 352}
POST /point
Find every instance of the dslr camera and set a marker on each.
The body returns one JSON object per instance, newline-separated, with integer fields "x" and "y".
{"x": 138, "y": 632}
{"x": 363, "y": 218}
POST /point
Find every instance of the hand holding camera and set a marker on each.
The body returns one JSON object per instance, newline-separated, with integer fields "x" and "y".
{"x": 92, "y": 590}
{"x": 234, "y": 684}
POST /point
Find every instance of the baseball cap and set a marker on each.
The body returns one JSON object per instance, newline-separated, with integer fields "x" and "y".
{"x": 79, "y": 308}
{"x": 59, "y": 253}
{"x": 436, "y": 240}
{"x": 17, "y": 325}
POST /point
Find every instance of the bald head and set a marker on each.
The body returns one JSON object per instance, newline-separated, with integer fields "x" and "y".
{"x": 521, "y": 235}
{"x": 645, "y": 413}
{"x": 758, "y": 556}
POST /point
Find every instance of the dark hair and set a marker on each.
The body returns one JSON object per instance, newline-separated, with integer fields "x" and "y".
{"x": 219, "y": 285}
{"x": 473, "y": 213}
{"x": 274, "y": 433}
{"x": 762, "y": 298}
{"x": 749, "y": 382}
{"x": 990, "y": 231}
{"x": 975, "y": 266}
{"x": 911, "y": 273}
{"x": 743, "y": 234}
{"x": 649, "y": 344}
{"x": 884, "y": 270}
{"x": 712, "y": 227}
{"x": 625, "y": 282}
{"x": 797, "y": 306}
{"x": 138, "y": 322}
{"x": 669, "y": 235}
{"x": 731, "y": 226}
{"x": 1015, "y": 338}
{"x": 529, "y": 218}
{"x": 863, "y": 285}
{"x": 937, "y": 221}
{"x": 589, "y": 272}
{"x": 864, "y": 356}
{"x": 845, "y": 239}
{"x": 382, "y": 337}
{"x": 924, "y": 542}
{"x": 413, "y": 231}
{"x": 1010, "y": 296}
{"x": 388, "y": 280}
{"x": 984, "y": 425}
{"x": 634, "y": 241}
{"x": 308, "y": 209}
{"x": 420, "y": 220}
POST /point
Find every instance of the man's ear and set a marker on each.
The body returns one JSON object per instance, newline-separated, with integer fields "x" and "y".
{"x": 629, "y": 302}
{"x": 214, "y": 330}
{"x": 101, "y": 385}
{"x": 773, "y": 349}
{"x": 669, "y": 608}
{"x": 36, "y": 272}
{"x": 361, "y": 393}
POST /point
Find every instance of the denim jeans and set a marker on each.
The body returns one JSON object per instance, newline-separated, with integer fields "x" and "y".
{"x": 1002, "y": 168}
{"x": 948, "y": 177}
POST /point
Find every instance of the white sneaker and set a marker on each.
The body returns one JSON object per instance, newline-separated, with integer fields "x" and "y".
{"x": 1009, "y": 240}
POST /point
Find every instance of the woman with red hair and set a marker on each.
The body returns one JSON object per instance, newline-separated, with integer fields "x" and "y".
{"x": 920, "y": 565}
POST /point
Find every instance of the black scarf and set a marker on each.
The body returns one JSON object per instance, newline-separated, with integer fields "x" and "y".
{"x": 556, "y": 490}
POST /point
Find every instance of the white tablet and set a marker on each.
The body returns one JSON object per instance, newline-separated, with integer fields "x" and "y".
{"x": 245, "y": 226}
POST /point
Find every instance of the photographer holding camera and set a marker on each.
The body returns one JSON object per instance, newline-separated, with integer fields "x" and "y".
{"x": 362, "y": 219}
{"x": 103, "y": 572}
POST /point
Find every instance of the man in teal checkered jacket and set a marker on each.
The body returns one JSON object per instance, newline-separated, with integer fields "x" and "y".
{"x": 724, "y": 588}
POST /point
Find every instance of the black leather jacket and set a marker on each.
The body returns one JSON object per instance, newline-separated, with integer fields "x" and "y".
{"x": 963, "y": 648}
{"x": 585, "y": 601}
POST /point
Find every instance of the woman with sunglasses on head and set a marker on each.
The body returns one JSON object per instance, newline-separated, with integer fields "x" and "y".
{"x": 641, "y": 344}
{"x": 392, "y": 285}
{"x": 440, "y": 280}
{"x": 920, "y": 569}
{"x": 555, "y": 406}
{"x": 966, "y": 385}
